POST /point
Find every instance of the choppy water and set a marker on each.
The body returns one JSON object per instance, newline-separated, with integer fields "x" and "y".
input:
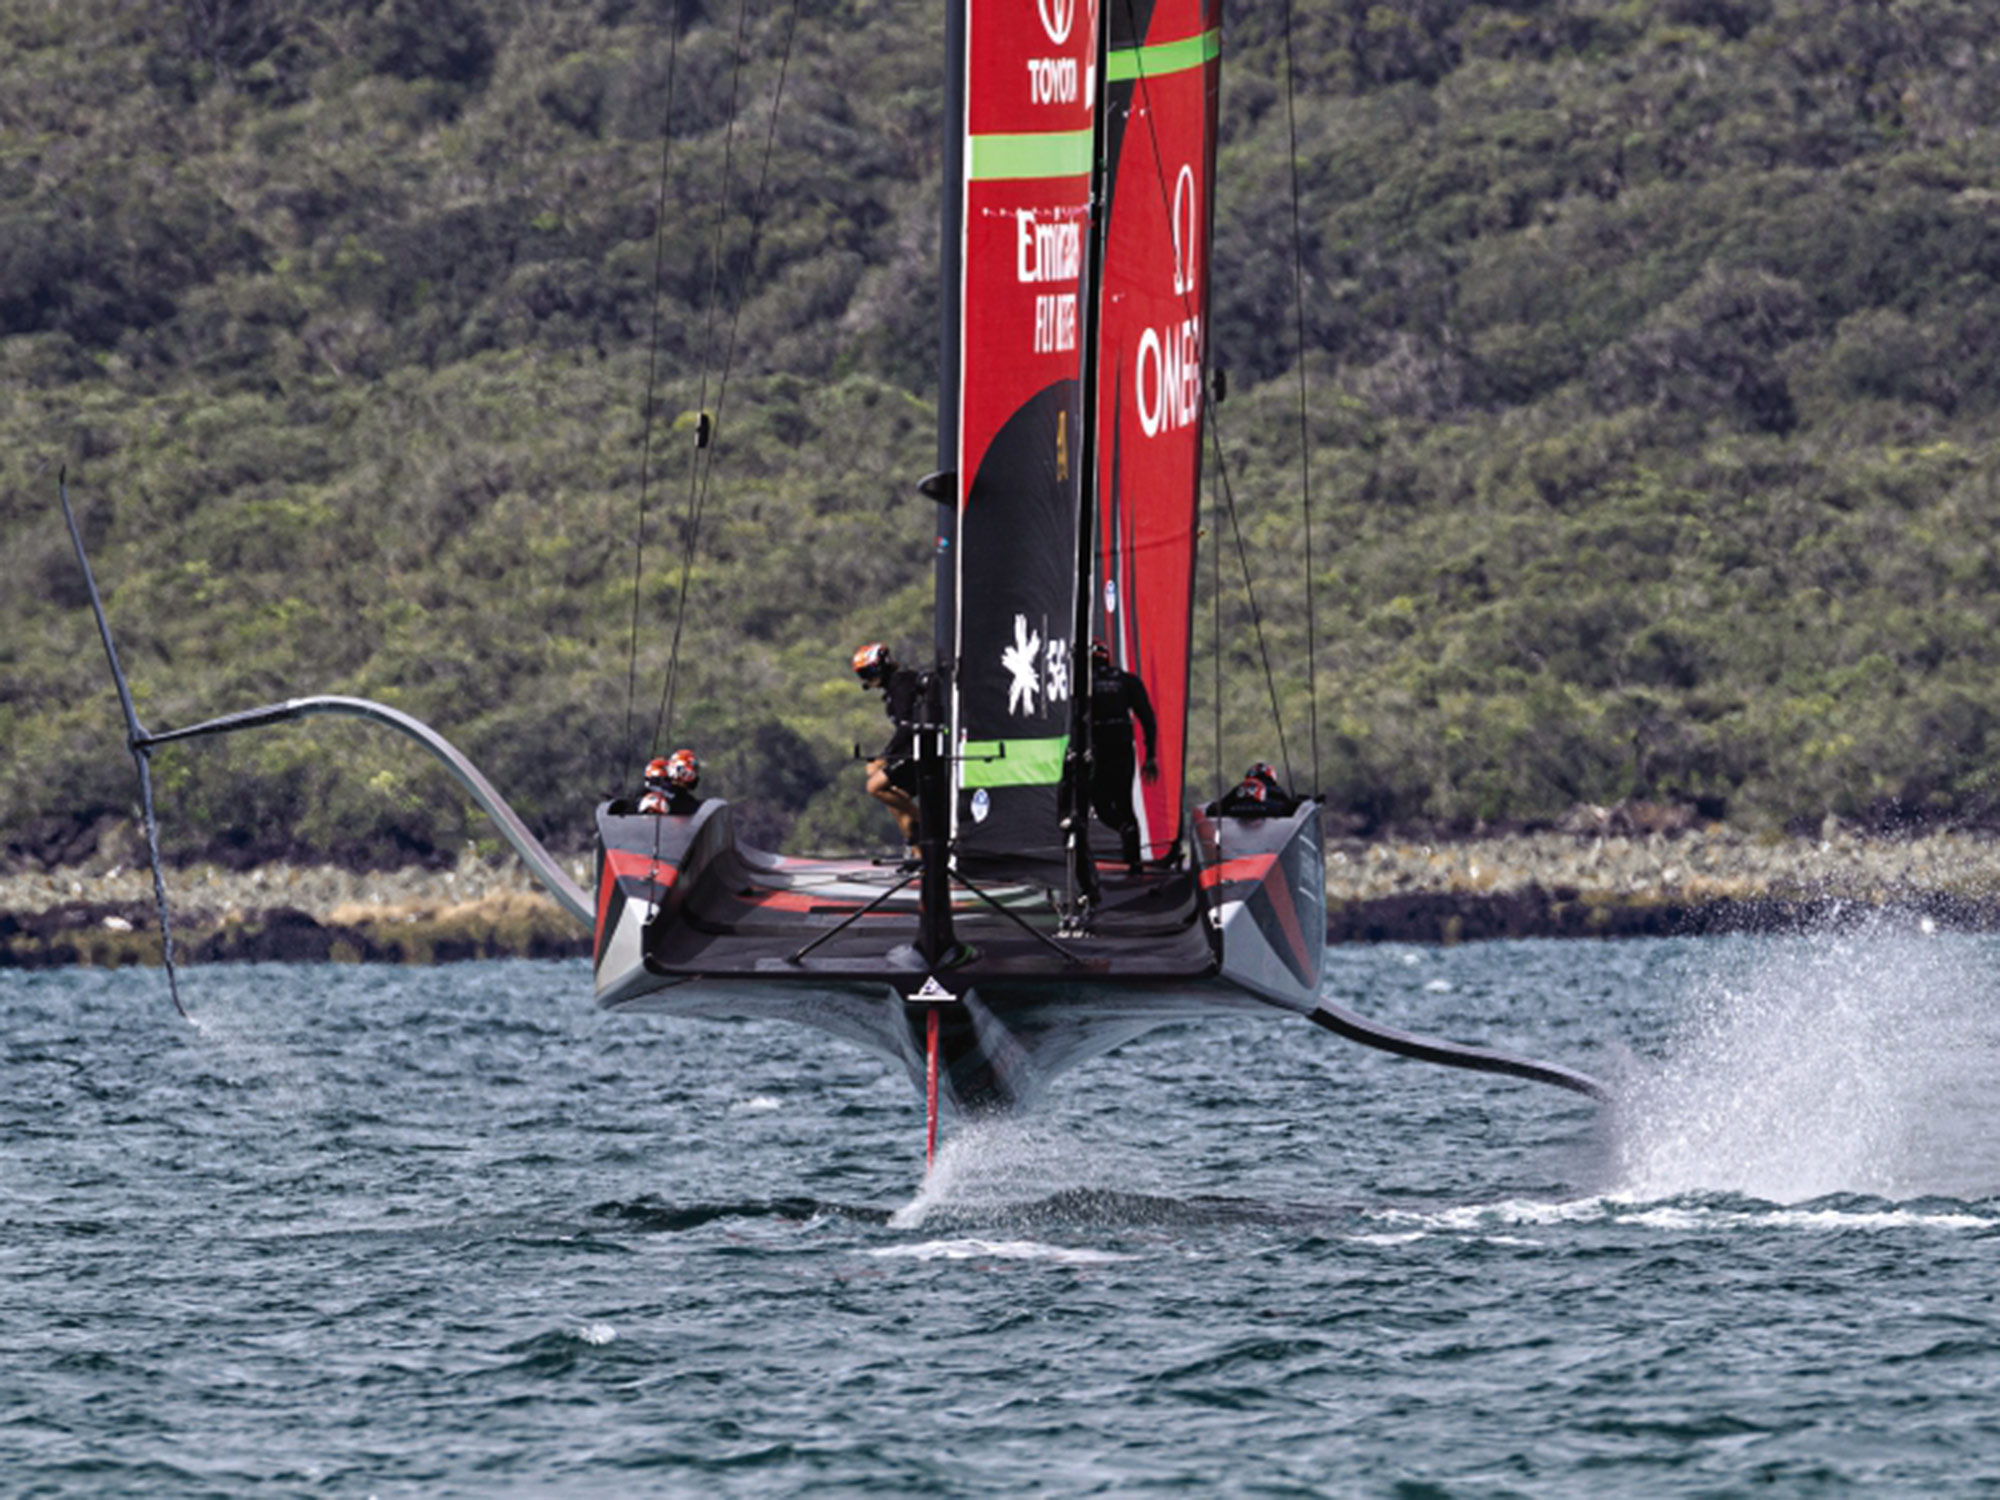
{"x": 451, "y": 1231}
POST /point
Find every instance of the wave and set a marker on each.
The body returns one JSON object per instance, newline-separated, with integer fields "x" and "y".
{"x": 649, "y": 1214}
{"x": 983, "y": 1249}
{"x": 1692, "y": 1213}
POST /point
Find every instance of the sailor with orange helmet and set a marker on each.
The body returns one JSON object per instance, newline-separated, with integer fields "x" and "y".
{"x": 670, "y": 784}
{"x": 1258, "y": 795}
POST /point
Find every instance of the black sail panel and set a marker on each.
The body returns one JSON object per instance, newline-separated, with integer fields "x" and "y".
{"x": 1018, "y": 544}
{"x": 1030, "y": 86}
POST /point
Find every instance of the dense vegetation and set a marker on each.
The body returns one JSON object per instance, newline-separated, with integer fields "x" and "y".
{"x": 1648, "y": 398}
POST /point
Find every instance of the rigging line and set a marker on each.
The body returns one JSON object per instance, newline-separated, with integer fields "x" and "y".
{"x": 759, "y": 204}
{"x": 696, "y": 465}
{"x": 1215, "y": 610}
{"x": 1305, "y": 445}
{"x": 1222, "y": 470}
{"x": 1249, "y": 583}
{"x": 625, "y": 743}
{"x": 1142, "y": 89}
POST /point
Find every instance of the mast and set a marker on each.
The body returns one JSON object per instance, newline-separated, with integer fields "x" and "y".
{"x": 951, "y": 211}
{"x": 1074, "y": 800}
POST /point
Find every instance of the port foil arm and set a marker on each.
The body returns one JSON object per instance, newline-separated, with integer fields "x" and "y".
{"x": 540, "y": 862}
{"x": 136, "y": 738}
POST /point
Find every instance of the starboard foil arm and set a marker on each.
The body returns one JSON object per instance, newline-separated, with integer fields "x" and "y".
{"x": 1344, "y": 1022}
{"x": 541, "y": 864}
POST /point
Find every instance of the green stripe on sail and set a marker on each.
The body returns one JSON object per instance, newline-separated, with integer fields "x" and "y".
{"x": 1061, "y": 153}
{"x": 1129, "y": 63}
{"x": 1014, "y": 762}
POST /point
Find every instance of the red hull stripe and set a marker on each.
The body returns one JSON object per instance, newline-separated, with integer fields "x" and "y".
{"x": 621, "y": 865}
{"x": 1250, "y": 867}
{"x": 1279, "y": 893}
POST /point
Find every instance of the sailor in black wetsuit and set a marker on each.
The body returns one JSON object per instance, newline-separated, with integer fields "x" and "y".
{"x": 670, "y": 784}
{"x": 892, "y": 775}
{"x": 1116, "y": 698}
{"x": 1257, "y": 795}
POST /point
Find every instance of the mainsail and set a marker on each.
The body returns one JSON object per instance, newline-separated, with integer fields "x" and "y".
{"x": 1028, "y": 91}
{"x": 1026, "y": 309}
{"x": 1163, "y": 75}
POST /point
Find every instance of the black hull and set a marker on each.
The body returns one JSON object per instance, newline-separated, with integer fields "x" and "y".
{"x": 689, "y": 923}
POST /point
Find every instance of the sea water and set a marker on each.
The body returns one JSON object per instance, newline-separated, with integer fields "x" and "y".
{"x": 451, "y": 1231}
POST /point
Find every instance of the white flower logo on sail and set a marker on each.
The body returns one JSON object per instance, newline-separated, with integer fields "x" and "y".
{"x": 1023, "y": 661}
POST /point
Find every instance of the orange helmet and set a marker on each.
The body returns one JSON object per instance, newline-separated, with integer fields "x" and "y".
{"x": 683, "y": 770}
{"x": 1263, "y": 772}
{"x": 1255, "y": 789}
{"x": 871, "y": 662}
{"x": 656, "y": 771}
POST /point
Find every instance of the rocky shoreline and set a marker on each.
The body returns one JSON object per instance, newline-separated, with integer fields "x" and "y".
{"x": 1391, "y": 890}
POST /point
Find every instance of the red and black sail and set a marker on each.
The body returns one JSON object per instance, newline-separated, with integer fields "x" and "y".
{"x": 1029, "y": 84}
{"x": 1163, "y": 76}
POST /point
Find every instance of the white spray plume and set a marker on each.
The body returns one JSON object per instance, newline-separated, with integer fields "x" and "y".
{"x": 1861, "y": 1062}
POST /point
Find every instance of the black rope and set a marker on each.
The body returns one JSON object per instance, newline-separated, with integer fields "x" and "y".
{"x": 625, "y": 741}
{"x": 1305, "y": 443}
{"x": 1187, "y": 306}
{"x": 1249, "y": 586}
{"x": 702, "y": 474}
{"x": 691, "y": 526}
{"x": 1215, "y": 609}
{"x": 1222, "y": 471}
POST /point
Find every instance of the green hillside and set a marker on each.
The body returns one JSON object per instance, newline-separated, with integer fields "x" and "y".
{"x": 1649, "y": 400}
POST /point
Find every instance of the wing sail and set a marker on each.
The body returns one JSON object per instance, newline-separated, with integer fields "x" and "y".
{"x": 1163, "y": 80}
{"x": 1029, "y": 82}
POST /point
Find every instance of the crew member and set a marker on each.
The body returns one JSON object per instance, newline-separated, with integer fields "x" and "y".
{"x": 670, "y": 784}
{"x": 1257, "y": 795}
{"x": 1116, "y": 698}
{"x": 1282, "y": 804}
{"x": 892, "y": 775}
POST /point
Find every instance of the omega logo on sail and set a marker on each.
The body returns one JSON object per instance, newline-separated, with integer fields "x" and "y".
{"x": 1186, "y": 239}
{"x": 1167, "y": 377}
